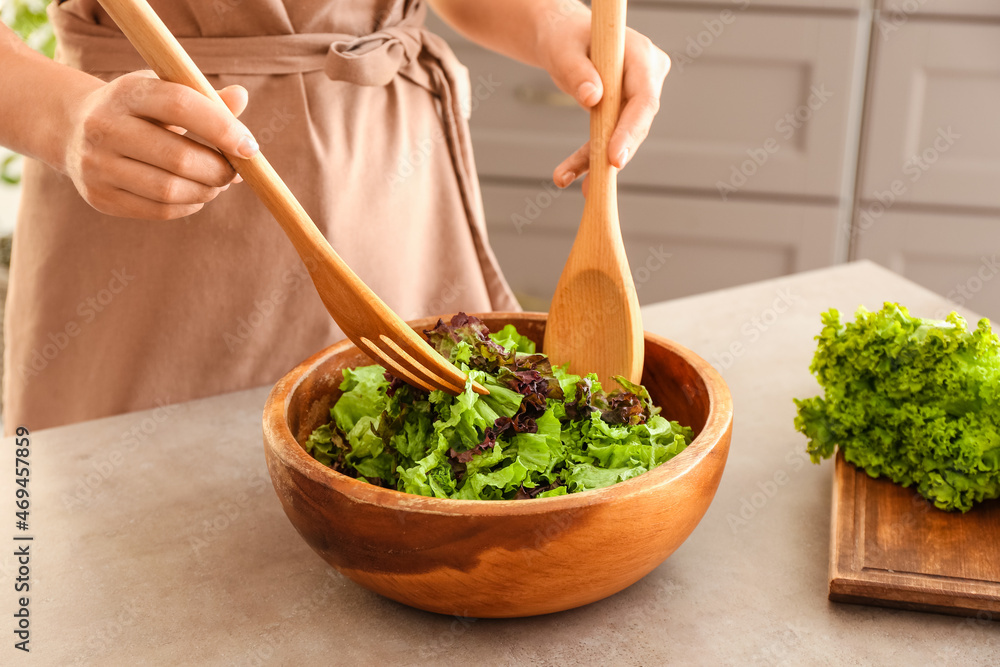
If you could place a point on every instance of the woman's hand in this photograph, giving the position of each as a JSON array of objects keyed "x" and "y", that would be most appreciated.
[
  {"x": 564, "y": 46},
  {"x": 128, "y": 156}
]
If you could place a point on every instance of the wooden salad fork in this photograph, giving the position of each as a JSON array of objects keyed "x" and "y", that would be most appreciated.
[
  {"x": 594, "y": 323},
  {"x": 359, "y": 312}
]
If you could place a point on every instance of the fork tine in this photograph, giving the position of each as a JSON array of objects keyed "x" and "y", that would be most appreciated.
[
  {"x": 407, "y": 367},
  {"x": 407, "y": 360},
  {"x": 417, "y": 349},
  {"x": 394, "y": 366}
]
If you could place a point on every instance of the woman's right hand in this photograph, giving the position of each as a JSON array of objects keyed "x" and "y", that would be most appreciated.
[{"x": 128, "y": 156}]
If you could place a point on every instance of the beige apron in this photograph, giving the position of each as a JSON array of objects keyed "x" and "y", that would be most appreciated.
[{"x": 360, "y": 110}]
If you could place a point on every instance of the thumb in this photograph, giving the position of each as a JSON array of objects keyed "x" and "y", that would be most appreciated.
[
  {"x": 575, "y": 75},
  {"x": 235, "y": 97}
]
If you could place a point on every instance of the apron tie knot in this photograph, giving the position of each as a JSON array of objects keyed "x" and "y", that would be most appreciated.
[{"x": 375, "y": 59}]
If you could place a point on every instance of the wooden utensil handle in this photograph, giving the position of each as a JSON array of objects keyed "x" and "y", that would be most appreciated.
[
  {"x": 607, "y": 51},
  {"x": 165, "y": 56}
]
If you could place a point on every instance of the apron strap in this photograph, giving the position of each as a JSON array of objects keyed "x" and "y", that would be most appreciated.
[{"x": 371, "y": 59}]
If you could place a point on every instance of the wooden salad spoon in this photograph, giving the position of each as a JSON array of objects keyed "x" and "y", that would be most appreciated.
[
  {"x": 360, "y": 313},
  {"x": 594, "y": 323}
]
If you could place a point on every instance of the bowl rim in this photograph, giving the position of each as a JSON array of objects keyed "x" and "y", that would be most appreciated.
[{"x": 279, "y": 440}]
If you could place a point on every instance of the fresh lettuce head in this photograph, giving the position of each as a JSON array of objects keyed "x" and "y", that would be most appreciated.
[
  {"x": 911, "y": 399},
  {"x": 540, "y": 432}
]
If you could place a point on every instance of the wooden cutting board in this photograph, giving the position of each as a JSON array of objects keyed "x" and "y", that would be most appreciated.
[{"x": 891, "y": 547}]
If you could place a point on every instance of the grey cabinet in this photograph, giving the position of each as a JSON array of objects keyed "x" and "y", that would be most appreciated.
[
  {"x": 929, "y": 203},
  {"x": 933, "y": 115},
  {"x": 677, "y": 245},
  {"x": 954, "y": 255}
]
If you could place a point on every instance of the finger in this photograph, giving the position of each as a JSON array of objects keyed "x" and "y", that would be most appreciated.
[
  {"x": 150, "y": 74},
  {"x": 174, "y": 104},
  {"x": 632, "y": 129},
  {"x": 572, "y": 167},
  {"x": 574, "y": 73},
  {"x": 128, "y": 205},
  {"x": 157, "y": 185},
  {"x": 236, "y": 98},
  {"x": 174, "y": 153},
  {"x": 646, "y": 67}
]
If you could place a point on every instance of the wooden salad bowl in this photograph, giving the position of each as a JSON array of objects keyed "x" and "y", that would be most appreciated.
[{"x": 499, "y": 558}]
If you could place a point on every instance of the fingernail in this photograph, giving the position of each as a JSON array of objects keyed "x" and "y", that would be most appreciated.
[
  {"x": 248, "y": 146},
  {"x": 238, "y": 179},
  {"x": 568, "y": 178},
  {"x": 623, "y": 158},
  {"x": 585, "y": 92}
]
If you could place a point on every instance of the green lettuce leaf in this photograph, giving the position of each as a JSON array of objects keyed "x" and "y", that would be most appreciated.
[
  {"x": 910, "y": 399},
  {"x": 364, "y": 396},
  {"x": 584, "y": 476},
  {"x": 512, "y": 341},
  {"x": 541, "y": 431}
]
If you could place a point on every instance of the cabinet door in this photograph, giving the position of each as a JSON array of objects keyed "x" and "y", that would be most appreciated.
[
  {"x": 760, "y": 102},
  {"x": 676, "y": 245},
  {"x": 933, "y": 130},
  {"x": 954, "y": 255},
  {"x": 904, "y": 8}
]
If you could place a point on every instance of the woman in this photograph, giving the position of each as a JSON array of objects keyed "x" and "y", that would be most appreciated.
[{"x": 140, "y": 276}]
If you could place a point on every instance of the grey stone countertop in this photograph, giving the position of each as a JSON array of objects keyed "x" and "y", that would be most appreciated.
[{"x": 158, "y": 539}]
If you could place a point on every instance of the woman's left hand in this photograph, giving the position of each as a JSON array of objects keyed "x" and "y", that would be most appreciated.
[{"x": 563, "y": 50}]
